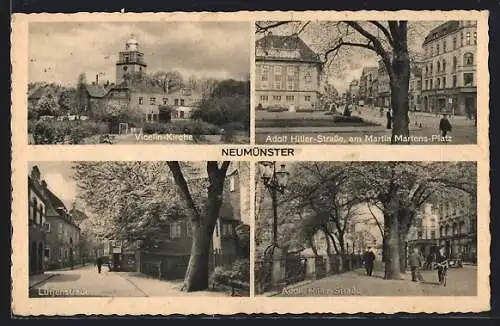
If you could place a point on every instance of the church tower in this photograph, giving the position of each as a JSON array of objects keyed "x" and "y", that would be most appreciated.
[{"x": 130, "y": 61}]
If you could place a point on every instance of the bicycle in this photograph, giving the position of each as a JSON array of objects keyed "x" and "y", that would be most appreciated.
[{"x": 442, "y": 272}]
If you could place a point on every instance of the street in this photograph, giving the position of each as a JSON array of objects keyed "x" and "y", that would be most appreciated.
[
  {"x": 87, "y": 282},
  {"x": 421, "y": 125},
  {"x": 460, "y": 282}
]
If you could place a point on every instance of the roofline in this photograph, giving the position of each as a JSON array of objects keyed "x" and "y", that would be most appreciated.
[{"x": 260, "y": 58}]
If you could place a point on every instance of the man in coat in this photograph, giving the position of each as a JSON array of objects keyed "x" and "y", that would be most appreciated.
[
  {"x": 444, "y": 125},
  {"x": 415, "y": 265},
  {"x": 369, "y": 259}
]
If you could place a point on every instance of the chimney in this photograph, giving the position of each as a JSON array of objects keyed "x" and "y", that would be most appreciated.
[
  {"x": 97, "y": 79},
  {"x": 35, "y": 174}
]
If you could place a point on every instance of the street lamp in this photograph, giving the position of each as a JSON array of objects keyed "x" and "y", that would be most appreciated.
[{"x": 275, "y": 181}]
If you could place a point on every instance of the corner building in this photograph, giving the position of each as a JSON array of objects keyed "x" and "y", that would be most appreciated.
[{"x": 449, "y": 71}]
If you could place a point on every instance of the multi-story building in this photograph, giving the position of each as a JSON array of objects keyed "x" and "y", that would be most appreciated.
[
  {"x": 449, "y": 72},
  {"x": 458, "y": 227},
  {"x": 62, "y": 233},
  {"x": 383, "y": 86},
  {"x": 367, "y": 78},
  {"x": 37, "y": 207},
  {"x": 415, "y": 87},
  {"x": 354, "y": 91},
  {"x": 424, "y": 233},
  {"x": 288, "y": 73}
]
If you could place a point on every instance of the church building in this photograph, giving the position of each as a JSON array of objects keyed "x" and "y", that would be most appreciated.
[{"x": 142, "y": 94}]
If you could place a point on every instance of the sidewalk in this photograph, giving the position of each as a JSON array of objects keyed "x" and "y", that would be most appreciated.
[{"x": 40, "y": 278}]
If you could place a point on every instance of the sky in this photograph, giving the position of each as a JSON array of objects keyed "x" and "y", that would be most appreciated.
[
  {"x": 349, "y": 63},
  {"x": 59, "y": 178},
  {"x": 60, "y": 51}
]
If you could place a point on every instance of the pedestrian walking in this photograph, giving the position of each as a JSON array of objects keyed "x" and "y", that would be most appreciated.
[
  {"x": 368, "y": 260},
  {"x": 389, "y": 119},
  {"x": 415, "y": 265},
  {"x": 444, "y": 125},
  {"x": 99, "y": 264}
]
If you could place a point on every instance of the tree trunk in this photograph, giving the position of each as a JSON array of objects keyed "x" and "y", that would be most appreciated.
[
  {"x": 196, "y": 278},
  {"x": 391, "y": 255},
  {"x": 399, "y": 81}
]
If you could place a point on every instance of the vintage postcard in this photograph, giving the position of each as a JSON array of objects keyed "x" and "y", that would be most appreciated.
[{"x": 252, "y": 169}]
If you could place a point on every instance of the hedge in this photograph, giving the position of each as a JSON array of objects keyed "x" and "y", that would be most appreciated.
[{"x": 64, "y": 132}]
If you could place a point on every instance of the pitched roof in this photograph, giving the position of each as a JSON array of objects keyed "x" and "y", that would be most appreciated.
[
  {"x": 443, "y": 29},
  {"x": 287, "y": 42},
  {"x": 96, "y": 90}
]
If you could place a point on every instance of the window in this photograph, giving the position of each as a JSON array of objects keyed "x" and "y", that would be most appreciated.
[
  {"x": 181, "y": 115},
  {"x": 232, "y": 184},
  {"x": 438, "y": 66},
  {"x": 475, "y": 38},
  {"x": 265, "y": 73},
  {"x": 290, "y": 71},
  {"x": 444, "y": 82},
  {"x": 437, "y": 50},
  {"x": 175, "y": 230},
  {"x": 277, "y": 71},
  {"x": 430, "y": 86},
  {"x": 454, "y": 43},
  {"x": 444, "y": 46},
  {"x": 467, "y": 38},
  {"x": 277, "y": 97},
  {"x": 176, "y": 101},
  {"x": 444, "y": 65},
  {"x": 426, "y": 84},
  {"x": 165, "y": 101},
  {"x": 227, "y": 229},
  {"x": 468, "y": 59},
  {"x": 461, "y": 38},
  {"x": 438, "y": 83},
  {"x": 141, "y": 100},
  {"x": 289, "y": 98},
  {"x": 431, "y": 69},
  {"x": 152, "y": 100},
  {"x": 189, "y": 229},
  {"x": 308, "y": 77},
  {"x": 426, "y": 70},
  {"x": 60, "y": 230},
  {"x": 468, "y": 79},
  {"x": 264, "y": 98},
  {"x": 307, "y": 98},
  {"x": 46, "y": 227},
  {"x": 182, "y": 101},
  {"x": 454, "y": 63}
]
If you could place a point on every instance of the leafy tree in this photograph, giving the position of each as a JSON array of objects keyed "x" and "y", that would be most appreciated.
[
  {"x": 47, "y": 105},
  {"x": 168, "y": 80},
  {"x": 68, "y": 101}
]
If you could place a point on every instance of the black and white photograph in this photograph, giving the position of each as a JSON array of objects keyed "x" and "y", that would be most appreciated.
[
  {"x": 366, "y": 229},
  {"x": 366, "y": 82},
  {"x": 163, "y": 82},
  {"x": 138, "y": 229}
]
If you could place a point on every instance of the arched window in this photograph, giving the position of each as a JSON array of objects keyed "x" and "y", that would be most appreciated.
[
  {"x": 431, "y": 68},
  {"x": 454, "y": 63},
  {"x": 468, "y": 59},
  {"x": 438, "y": 66},
  {"x": 461, "y": 38},
  {"x": 444, "y": 65},
  {"x": 454, "y": 43}
]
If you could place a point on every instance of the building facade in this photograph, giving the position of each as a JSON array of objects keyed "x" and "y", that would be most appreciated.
[
  {"x": 37, "y": 207},
  {"x": 366, "y": 91},
  {"x": 383, "y": 86},
  {"x": 132, "y": 91},
  {"x": 415, "y": 87},
  {"x": 354, "y": 91},
  {"x": 449, "y": 72},
  {"x": 288, "y": 73},
  {"x": 62, "y": 247}
]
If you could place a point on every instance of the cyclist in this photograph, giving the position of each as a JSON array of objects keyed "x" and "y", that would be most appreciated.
[{"x": 442, "y": 265}]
